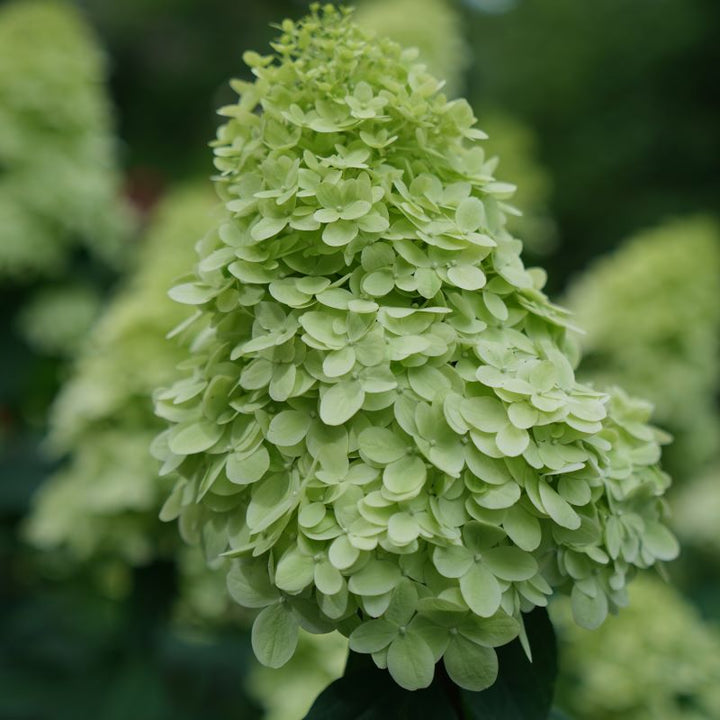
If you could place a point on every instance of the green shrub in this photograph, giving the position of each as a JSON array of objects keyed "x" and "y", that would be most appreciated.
[{"x": 378, "y": 417}]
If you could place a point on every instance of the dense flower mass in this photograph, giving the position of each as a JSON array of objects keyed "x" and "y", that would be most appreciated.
[{"x": 379, "y": 419}]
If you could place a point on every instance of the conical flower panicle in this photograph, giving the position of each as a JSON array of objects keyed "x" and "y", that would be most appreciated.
[{"x": 380, "y": 422}]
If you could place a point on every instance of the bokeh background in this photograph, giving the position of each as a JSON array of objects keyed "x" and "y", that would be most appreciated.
[{"x": 607, "y": 117}]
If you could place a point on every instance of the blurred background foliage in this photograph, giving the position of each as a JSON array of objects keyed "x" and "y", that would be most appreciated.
[{"x": 606, "y": 117}]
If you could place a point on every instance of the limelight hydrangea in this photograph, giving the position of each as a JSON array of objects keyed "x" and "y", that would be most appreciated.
[
  {"x": 379, "y": 419},
  {"x": 105, "y": 500},
  {"x": 652, "y": 318},
  {"x": 657, "y": 660},
  {"x": 57, "y": 319},
  {"x": 58, "y": 177},
  {"x": 435, "y": 29},
  {"x": 432, "y": 26}
]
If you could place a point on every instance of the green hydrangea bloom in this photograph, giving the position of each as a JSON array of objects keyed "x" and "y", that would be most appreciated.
[
  {"x": 516, "y": 144},
  {"x": 435, "y": 29},
  {"x": 652, "y": 318},
  {"x": 57, "y": 319},
  {"x": 59, "y": 185},
  {"x": 105, "y": 500},
  {"x": 696, "y": 509},
  {"x": 379, "y": 419},
  {"x": 657, "y": 660},
  {"x": 431, "y": 26},
  {"x": 318, "y": 660}
]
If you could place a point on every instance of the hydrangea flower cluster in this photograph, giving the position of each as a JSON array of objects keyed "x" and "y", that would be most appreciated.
[
  {"x": 658, "y": 660},
  {"x": 379, "y": 419},
  {"x": 434, "y": 27},
  {"x": 59, "y": 183},
  {"x": 105, "y": 499},
  {"x": 652, "y": 318}
]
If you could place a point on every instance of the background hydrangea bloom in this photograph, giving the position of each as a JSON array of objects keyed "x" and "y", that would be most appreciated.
[
  {"x": 652, "y": 318},
  {"x": 58, "y": 177},
  {"x": 657, "y": 660},
  {"x": 379, "y": 420},
  {"x": 434, "y": 27},
  {"x": 106, "y": 498}
]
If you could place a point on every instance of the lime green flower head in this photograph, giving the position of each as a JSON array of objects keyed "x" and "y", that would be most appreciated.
[
  {"x": 657, "y": 660},
  {"x": 652, "y": 318},
  {"x": 432, "y": 26},
  {"x": 105, "y": 499},
  {"x": 379, "y": 420},
  {"x": 59, "y": 181}
]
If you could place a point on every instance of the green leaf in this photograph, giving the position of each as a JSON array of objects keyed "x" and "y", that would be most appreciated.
[
  {"x": 523, "y": 689},
  {"x": 349, "y": 698},
  {"x": 411, "y": 662},
  {"x": 341, "y": 401},
  {"x": 471, "y": 666},
  {"x": 275, "y": 635},
  {"x": 288, "y": 427},
  {"x": 372, "y": 636}
]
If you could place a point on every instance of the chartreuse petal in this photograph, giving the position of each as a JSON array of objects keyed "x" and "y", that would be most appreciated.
[
  {"x": 472, "y": 667},
  {"x": 373, "y": 636},
  {"x": 249, "y": 584},
  {"x": 376, "y": 578},
  {"x": 294, "y": 571},
  {"x": 410, "y": 661},
  {"x": 275, "y": 635},
  {"x": 481, "y": 590},
  {"x": 341, "y": 401}
]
